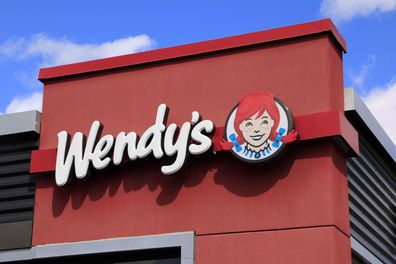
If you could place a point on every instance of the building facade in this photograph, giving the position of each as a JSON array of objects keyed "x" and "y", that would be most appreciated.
[{"x": 115, "y": 181}]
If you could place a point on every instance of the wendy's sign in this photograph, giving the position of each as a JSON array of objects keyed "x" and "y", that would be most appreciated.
[
  {"x": 192, "y": 138},
  {"x": 257, "y": 129}
]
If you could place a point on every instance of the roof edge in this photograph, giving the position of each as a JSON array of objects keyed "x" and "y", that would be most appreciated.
[
  {"x": 265, "y": 36},
  {"x": 353, "y": 102},
  {"x": 21, "y": 122}
]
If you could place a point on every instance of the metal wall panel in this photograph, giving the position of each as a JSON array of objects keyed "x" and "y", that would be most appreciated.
[
  {"x": 372, "y": 200},
  {"x": 17, "y": 188}
]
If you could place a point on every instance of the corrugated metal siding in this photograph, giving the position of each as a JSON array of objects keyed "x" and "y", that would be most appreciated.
[
  {"x": 356, "y": 259},
  {"x": 372, "y": 202},
  {"x": 17, "y": 186}
]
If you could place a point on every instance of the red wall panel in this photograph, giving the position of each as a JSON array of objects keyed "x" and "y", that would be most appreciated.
[
  {"x": 322, "y": 245},
  {"x": 215, "y": 194}
]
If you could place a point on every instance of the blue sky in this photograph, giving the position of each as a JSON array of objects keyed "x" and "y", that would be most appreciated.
[{"x": 45, "y": 33}]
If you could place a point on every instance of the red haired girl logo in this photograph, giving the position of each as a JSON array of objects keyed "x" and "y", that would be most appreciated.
[{"x": 258, "y": 128}]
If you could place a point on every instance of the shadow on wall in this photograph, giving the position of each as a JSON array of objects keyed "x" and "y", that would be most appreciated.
[{"x": 239, "y": 178}]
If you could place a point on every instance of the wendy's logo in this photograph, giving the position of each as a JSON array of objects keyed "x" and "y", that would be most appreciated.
[{"x": 258, "y": 128}]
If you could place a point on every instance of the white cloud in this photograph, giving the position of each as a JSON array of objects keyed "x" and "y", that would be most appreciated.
[
  {"x": 11, "y": 46},
  {"x": 20, "y": 104},
  {"x": 344, "y": 10},
  {"x": 63, "y": 51},
  {"x": 382, "y": 102},
  {"x": 358, "y": 79}
]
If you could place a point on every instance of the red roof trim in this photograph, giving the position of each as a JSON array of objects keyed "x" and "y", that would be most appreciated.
[{"x": 315, "y": 27}]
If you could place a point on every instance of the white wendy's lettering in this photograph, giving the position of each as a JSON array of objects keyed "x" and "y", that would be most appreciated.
[{"x": 192, "y": 138}]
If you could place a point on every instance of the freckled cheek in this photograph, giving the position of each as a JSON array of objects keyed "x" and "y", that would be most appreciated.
[
  {"x": 246, "y": 130},
  {"x": 265, "y": 128}
]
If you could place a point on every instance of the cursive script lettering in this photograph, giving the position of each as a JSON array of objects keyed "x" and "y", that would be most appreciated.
[{"x": 193, "y": 138}]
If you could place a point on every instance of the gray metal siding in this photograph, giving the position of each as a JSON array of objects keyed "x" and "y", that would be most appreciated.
[
  {"x": 17, "y": 189},
  {"x": 372, "y": 201},
  {"x": 356, "y": 259},
  {"x": 17, "y": 186}
]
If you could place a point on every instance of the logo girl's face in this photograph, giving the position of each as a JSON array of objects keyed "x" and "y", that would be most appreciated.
[
  {"x": 257, "y": 129},
  {"x": 255, "y": 125}
]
